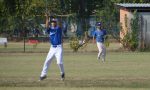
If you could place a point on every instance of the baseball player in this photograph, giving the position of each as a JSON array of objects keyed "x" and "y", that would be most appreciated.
[
  {"x": 55, "y": 36},
  {"x": 100, "y": 35}
]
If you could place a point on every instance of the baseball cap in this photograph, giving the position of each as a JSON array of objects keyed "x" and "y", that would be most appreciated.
[
  {"x": 98, "y": 24},
  {"x": 54, "y": 20}
]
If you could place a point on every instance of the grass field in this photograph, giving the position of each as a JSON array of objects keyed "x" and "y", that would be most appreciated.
[
  {"x": 121, "y": 71},
  {"x": 44, "y": 47}
]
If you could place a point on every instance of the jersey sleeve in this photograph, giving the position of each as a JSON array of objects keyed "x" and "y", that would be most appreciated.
[
  {"x": 94, "y": 34},
  {"x": 60, "y": 30},
  {"x": 105, "y": 32}
]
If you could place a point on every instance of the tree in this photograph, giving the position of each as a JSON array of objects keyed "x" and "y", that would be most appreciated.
[
  {"x": 15, "y": 10},
  {"x": 83, "y": 9},
  {"x": 131, "y": 39},
  {"x": 108, "y": 15}
]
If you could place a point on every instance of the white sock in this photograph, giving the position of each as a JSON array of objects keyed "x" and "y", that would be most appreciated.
[{"x": 61, "y": 67}]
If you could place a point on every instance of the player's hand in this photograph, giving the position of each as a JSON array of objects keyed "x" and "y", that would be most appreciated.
[{"x": 46, "y": 14}]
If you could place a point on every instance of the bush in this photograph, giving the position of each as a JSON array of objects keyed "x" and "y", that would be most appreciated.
[
  {"x": 130, "y": 40},
  {"x": 74, "y": 43}
]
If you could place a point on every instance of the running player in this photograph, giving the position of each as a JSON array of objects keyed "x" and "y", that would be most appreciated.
[{"x": 100, "y": 35}]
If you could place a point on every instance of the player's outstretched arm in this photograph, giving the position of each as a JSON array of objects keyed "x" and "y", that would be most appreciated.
[{"x": 47, "y": 21}]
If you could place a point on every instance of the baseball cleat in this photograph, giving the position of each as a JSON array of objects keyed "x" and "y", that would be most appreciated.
[
  {"x": 63, "y": 77},
  {"x": 42, "y": 78}
]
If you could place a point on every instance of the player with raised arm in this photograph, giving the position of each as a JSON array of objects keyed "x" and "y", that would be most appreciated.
[{"x": 56, "y": 49}]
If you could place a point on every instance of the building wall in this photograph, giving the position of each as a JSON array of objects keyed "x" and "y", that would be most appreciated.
[
  {"x": 125, "y": 23},
  {"x": 145, "y": 29},
  {"x": 144, "y": 35}
]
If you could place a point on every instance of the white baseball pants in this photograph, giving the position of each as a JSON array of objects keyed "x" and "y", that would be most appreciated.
[
  {"x": 57, "y": 52},
  {"x": 102, "y": 51}
]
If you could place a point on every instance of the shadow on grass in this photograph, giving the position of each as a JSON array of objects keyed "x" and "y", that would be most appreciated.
[{"x": 126, "y": 83}]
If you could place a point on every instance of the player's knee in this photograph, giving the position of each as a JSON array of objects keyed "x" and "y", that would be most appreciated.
[
  {"x": 59, "y": 62},
  {"x": 100, "y": 51}
]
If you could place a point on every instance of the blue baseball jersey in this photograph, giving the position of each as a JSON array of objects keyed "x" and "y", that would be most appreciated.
[
  {"x": 99, "y": 34},
  {"x": 55, "y": 35}
]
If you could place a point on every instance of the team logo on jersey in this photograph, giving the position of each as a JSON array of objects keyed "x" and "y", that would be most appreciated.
[{"x": 52, "y": 33}]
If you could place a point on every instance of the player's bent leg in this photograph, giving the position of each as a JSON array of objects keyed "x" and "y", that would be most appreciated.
[
  {"x": 46, "y": 64},
  {"x": 103, "y": 53},
  {"x": 61, "y": 67},
  {"x": 99, "y": 46},
  {"x": 99, "y": 50},
  {"x": 99, "y": 55},
  {"x": 45, "y": 67},
  {"x": 59, "y": 58}
]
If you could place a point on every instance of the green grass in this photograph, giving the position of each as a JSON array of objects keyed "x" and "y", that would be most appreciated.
[
  {"x": 121, "y": 71},
  {"x": 44, "y": 47}
]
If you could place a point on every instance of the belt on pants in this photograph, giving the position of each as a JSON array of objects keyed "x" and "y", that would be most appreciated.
[{"x": 56, "y": 45}]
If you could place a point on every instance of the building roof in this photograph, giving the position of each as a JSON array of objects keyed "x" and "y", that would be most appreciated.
[
  {"x": 134, "y": 5},
  {"x": 140, "y": 7}
]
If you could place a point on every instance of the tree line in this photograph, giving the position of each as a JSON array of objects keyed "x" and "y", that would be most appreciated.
[{"x": 21, "y": 14}]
